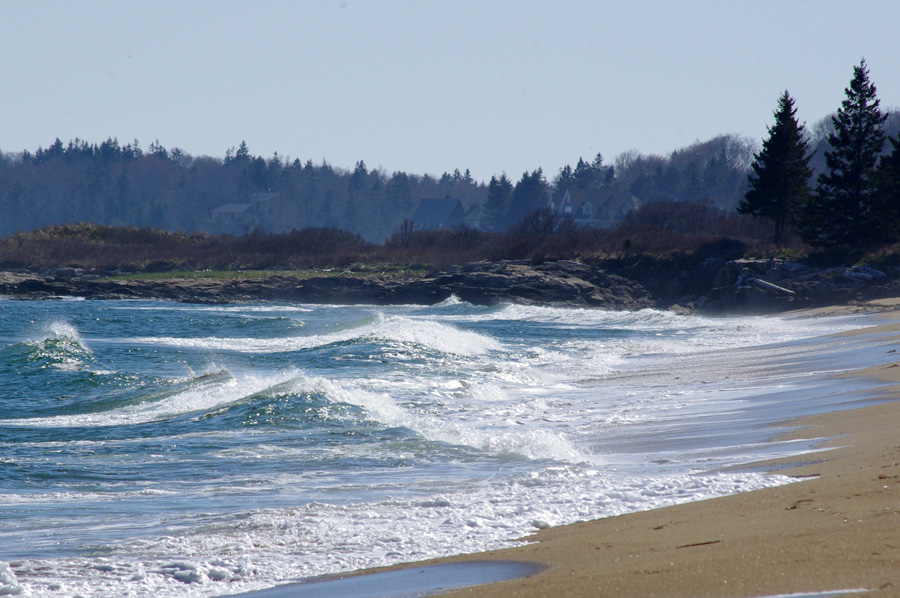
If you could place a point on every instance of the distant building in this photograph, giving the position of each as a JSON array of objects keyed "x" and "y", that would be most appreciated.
[
  {"x": 275, "y": 212},
  {"x": 436, "y": 214},
  {"x": 475, "y": 216},
  {"x": 271, "y": 211},
  {"x": 233, "y": 218},
  {"x": 600, "y": 208}
]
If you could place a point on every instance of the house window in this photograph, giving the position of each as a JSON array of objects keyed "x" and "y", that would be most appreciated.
[{"x": 586, "y": 209}]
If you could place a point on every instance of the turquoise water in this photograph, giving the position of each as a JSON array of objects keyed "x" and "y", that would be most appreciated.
[{"x": 176, "y": 449}]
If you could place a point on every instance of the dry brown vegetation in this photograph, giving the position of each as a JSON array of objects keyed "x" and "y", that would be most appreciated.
[{"x": 657, "y": 229}]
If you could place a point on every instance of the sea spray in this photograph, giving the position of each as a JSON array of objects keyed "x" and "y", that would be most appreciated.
[
  {"x": 9, "y": 585},
  {"x": 223, "y": 448}
]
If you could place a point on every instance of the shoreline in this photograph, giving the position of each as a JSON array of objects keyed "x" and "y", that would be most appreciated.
[
  {"x": 834, "y": 531},
  {"x": 836, "y": 528},
  {"x": 714, "y": 287}
]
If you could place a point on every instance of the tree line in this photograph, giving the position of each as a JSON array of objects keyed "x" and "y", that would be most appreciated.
[
  {"x": 855, "y": 201},
  {"x": 122, "y": 185},
  {"x": 126, "y": 185}
]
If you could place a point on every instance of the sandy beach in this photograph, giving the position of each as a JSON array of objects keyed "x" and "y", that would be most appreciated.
[
  {"x": 834, "y": 531},
  {"x": 837, "y": 528}
]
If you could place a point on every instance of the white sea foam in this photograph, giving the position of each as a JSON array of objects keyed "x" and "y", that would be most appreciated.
[
  {"x": 63, "y": 329},
  {"x": 9, "y": 584},
  {"x": 230, "y": 309},
  {"x": 511, "y": 432},
  {"x": 698, "y": 331},
  {"x": 433, "y": 335},
  {"x": 258, "y": 548},
  {"x": 494, "y": 434},
  {"x": 200, "y": 395},
  {"x": 450, "y": 301},
  {"x": 61, "y": 346}
]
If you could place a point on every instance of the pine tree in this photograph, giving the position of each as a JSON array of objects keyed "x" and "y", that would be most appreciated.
[
  {"x": 496, "y": 208},
  {"x": 529, "y": 194},
  {"x": 887, "y": 206},
  {"x": 842, "y": 212},
  {"x": 563, "y": 179},
  {"x": 584, "y": 175},
  {"x": 781, "y": 172}
]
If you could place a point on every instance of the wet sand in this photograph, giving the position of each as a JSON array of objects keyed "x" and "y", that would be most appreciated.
[
  {"x": 837, "y": 528},
  {"x": 428, "y": 580}
]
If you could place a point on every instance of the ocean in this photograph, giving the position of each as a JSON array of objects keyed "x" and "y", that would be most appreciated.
[{"x": 168, "y": 449}]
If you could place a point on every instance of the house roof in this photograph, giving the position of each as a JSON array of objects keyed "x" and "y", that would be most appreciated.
[
  {"x": 602, "y": 207},
  {"x": 578, "y": 197},
  {"x": 264, "y": 196}
]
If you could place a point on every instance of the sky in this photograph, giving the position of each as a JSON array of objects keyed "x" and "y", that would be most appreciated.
[{"x": 426, "y": 87}]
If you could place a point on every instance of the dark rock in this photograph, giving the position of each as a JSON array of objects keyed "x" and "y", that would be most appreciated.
[
  {"x": 710, "y": 285},
  {"x": 67, "y": 273}
]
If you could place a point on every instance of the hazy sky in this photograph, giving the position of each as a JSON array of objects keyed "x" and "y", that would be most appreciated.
[{"x": 429, "y": 86}]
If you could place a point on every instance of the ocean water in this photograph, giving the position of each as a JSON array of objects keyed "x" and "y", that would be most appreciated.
[{"x": 155, "y": 448}]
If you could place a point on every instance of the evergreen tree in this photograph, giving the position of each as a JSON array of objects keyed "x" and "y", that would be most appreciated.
[
  {"x": 399, "y": 193},
  {"x": 156, "y": 149},
  {"x": 842, "y": 210},
  {"x": 110, "y": 150},
  {"x": 563, "y": 179},
  {"x": 887, "y": 206},
  {"x": 781, "y": 172},
  {"x": 584, "y": 175},
  {"x": 496, "y": 208},
  {"x": 360, "y": 174},
  {"x": 243, "y": 152},
  {"x": 529, "y": 194},
  {"x": 604, "y": 175}
]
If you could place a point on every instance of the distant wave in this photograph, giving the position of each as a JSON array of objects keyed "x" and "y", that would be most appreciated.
[{"x": 436, "y": 336}]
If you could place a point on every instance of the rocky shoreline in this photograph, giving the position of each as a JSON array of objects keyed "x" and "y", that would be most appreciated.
[{"x": 713, "y": 286}]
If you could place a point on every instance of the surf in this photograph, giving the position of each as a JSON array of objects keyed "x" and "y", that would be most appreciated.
[{"x": 176, "y": 450}]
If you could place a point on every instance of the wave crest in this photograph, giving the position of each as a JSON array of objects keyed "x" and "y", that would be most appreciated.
[
  {"x": 60, "y": 346},
  {"x": 434, "y": 336}
]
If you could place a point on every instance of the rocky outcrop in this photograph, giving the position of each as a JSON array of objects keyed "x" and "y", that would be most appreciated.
[
  {"x": 553, "y": 283},
  {"x": 711, "y": 286},
  {"x": 484, "y": 283},
  {"x": 765, "y": 286}
]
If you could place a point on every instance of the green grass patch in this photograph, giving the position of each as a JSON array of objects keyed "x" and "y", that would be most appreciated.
[{"x": 365, "y": 271}]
